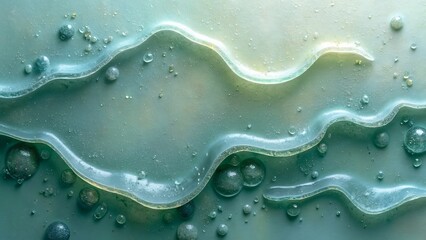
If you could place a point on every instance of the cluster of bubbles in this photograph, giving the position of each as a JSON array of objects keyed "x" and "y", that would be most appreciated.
[{"x": 229, "y": 180}]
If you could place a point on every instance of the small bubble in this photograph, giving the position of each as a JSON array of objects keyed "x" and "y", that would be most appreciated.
[
  {"x": 249, "y": 126},
  {"x": 230, "y": 216},
  {"x": 141, "y": 175},
  {"x": 253, "y": 172},
  {"x": 108, "y": 39},
  {"x": 45, "y": 154},
  {"x": 70, "y": 194},
  {"x": 120, "y": 219},
  {"x": 292, "y": 130},
  {"x": 171, "y": 68},
  {"x": 274, "y": 179},
  {"x": 293, "y": 210},
  {"x": 409, "y": 82},
  {"x": 228, "y": 180},
  {"x": 322, "y": 149},
  {"x": 57, "y": 231},
  {"x": 247, "y": 209},
  {"x": 100, "y": 211},
  {"x": 415, "y": 140},
  {"x": 42, "y": 63},
  {"x": 338, "y": 214},
  {"x": 66, "y": 32},
  {"x": 299, "y": 109},
  {"x": 28, "y": 68},
  {"x": 212, "y": 214},
  {"x": 381, "y": 139},
  {"x": 112, "y": 74},
  {"x": 380, "y": 175},
  {"x": 413, "y": 46},
  {"x": 417, "y": 162},
  {"x": 88, "y": 197},
  {"x": 22, "y": 162},
  {"x": 68, "y": 177},
  {"x": 148, "y": 57},
  {"x": 222, "y": 230},
  {"x": 365, "y": 99},
  {"x": 187, "y": 231},
  {"x": 396, "y": 23},
  {"x": 314, "y": 175}
]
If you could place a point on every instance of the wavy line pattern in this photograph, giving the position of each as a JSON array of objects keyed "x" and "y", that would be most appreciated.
[
  {"x": 370, "y": 200},
  {"x": 63, "y": 71}
]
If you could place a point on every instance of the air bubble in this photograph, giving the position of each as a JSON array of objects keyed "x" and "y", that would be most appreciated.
[
  {"x": 187, "y": 231},
  {"x": 417, "y": 162},
  {"x": 148, "y": 57},
  {"x": 88, "y": 197},
  {"x": 253, "y": 172},
  {"x": 66, "y": 32},
  {"x": 322, "y": 149},
  {"x": 314, "y": 175},
  {"x": 365, "y": 99},
  {"x": 380, "y": 175},
  {"x": 381, "y": 139},
  {"x": 396, "y": 23},
  {"x": 222, "y": 230},
  {"x": 68, "y": 177},
  {"x": 28, "y": 68},
  {"x": 120, "y": 219},
  {"x": 413, "y": 46},
  {"x": 292, "y": 130},
  {"x": 228, "y": 180},
  {"x": 212, "y": 214},
  {"x": 57, "y": 231},
  {"x": 293, "y": 210},
  {"x": 100, "y": 211},
  {"x": 112, "y": 74},
  {"x": 247, "y": 209},
  {"x": 415, "y": 140},
  {"x": 42, "y": 63},
  {"x": 22, "y": 162}
]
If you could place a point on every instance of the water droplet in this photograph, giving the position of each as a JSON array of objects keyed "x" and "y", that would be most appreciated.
[
  {"x": 292, "y": 130},
  {"x": 120, "y": 219},
  {"x": 413, "y": 46},
  {"x": 365, "y": 99},
  {"x": 293, "y": 210},
  {"x": 220, "y": 208},
  {"x": 22, "y": 161},
  {"x": 68, "y": 177},
  {"x": 249, "y": 126},
  {"x": 112, "y": 74},
  {"x": 274, "y": 179},
  {"x": 70, "y": 194},
  {"x": 187, "y": 231},
  {"x": 380, "y": 175},
  {"x": 396, "y": 23},
  {"x": 381, "y": 139},
  {"x": 415, "y": 140},
  {"x": 222, "y": 230},
  {"x": 100, "y": 211},
  {"x": 228, "y": 180},
  {"x": 148, "y": 57},
  {"x": 409, "y": 82},
  {"x": 187, "y": 210},
  {"x": 57, "y": 231},
  {"x": 88, "y": 197},
  {"x": 42, "y": 63},
  {"x": 212, "y": 214},
  {"x": 253, "y": 172},
  {"x": 322, "y": 149},
  {"x": 66, "y": 32},
  {"x": 171, "y": 68},
  {"x": 417, "y": 162},
  {"x": 247, "y": 209},
  {"x": 45, "y": 154},
  {"x": 314, "y": 175},
  {"x": 338, "y": 214},
  {"x": 141, "y": 175},
  {"x": 28, "y": 68},
  {"x": 299, "y": 109}
]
